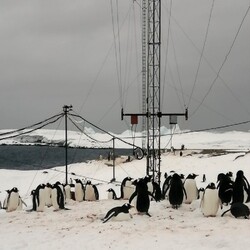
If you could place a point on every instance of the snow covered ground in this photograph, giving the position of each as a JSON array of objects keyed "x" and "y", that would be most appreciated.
[{"x": 81, "y": 226}]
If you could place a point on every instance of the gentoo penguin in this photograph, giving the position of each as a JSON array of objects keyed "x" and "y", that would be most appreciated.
[
  {"x": 118, "y": 213},
  {"x": 165, "y": 185},
  {"x": 127, "y": 189},
  {"x": 40, "y": 196},
  {"x": 176, "y": 191},
  {"x": 238, "y": 209},
  {"x": 111, "y": 194},
  {"x": 241, "y": 189},
  {"x": 67, "y": 190},
  {"x": 91, "y": 192},
  {"x": 142, "y": 196},
  {"x": 79, "y": 190},
  {"x": 13, "y": 200},
  {"x": 225, "y": 188},
  {"x": 47, "y": 190},
  {"x": 57, "y": 197},
  {"x": 34, "y": 200},
  {"x": 210, "y": 201},
  {"x": 191, "y": 188},
  {"x": 153, "y": 188}
]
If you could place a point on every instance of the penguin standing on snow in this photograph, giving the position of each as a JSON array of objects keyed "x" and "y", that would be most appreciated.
[
  {"x": 111, "y": 194},
  {"x": 57, "y": 197},
  {"x": 12, "y": 200},
  {"x": 79, "y": 190},
  {"x": 238, "y": 209},
  {"x": 141, "y": 194},
  {"x": 210, "y": 201},
  {"x": 91, "y": 192},
  {"x": 191, "y": 188},
  {"x": 225, "y": 188},
  {"x": 176, "y": 191},
  {"x": 118, "y": 213},
  {"x": 127, "y": 189},
  {"x": 241, "y": 189},
  {"x": 47, "y": 190},
  {"x": 153, "y": 188},
  {"x": 166, "y": 185},
  {"x": 41, "y": 197}
]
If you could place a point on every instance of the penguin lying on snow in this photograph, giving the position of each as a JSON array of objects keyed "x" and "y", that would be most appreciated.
[
  {"x": 118, "y": 213},
  {"x": 238, "y": 209}
]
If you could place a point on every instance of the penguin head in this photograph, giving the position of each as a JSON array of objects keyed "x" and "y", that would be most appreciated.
[
  {"x": 88, "y": 182},
  {"x": 229, "y": 174},
  {"x": 128, "y": 206},
  {"x": 240, "y": 174},
  {"x": 14, "y": 189},
  {"x": 110, "y": 190},
  {"x": 211, "y": 186}
]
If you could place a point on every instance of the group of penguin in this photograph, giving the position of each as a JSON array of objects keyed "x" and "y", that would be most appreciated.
[
  {"x": 179, "y": 190},
  {"x": 140, "y": 192},
  {"x": 47, "y": 195}
]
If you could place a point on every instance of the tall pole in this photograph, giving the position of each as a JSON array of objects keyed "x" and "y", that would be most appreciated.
[{"x": 66, "y": 109}]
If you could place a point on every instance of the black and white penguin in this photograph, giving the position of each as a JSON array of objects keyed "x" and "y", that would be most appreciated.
[
  {"x": 165, "y": 185},
  {"x": 241, "y": 188},
  {"x": 57, "y": 197},
  {"x": 191, "y": 188},
  {"x": 41, "y": 197},
  {"x": 230, "y": 175},
  {"x": 238, "y": 209},
  {"x": 210, "y": 201},
  {"x": 176, "y": 191},
  {"x": 91, "y": 192},
  {"x": 225, "y": 188},
  {"x": 127, "y": 189},
  {"x": 111, "y": 194},
  {"x": 118, "y": 213},
  {"x": 47, "y": 190},
  {"x": 153, "y": 188},
  {"x": 141, "y": 195},
  {"x": 67, "y": 190},
  {"x": 204, "y": 178},
  {"x": 79, "y": 190},
  {"x": 34, "y": 200},
  {"x": 12, "y": 200}
]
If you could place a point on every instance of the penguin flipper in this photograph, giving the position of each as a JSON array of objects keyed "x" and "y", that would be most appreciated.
[
  {"x": 132, "y": 197},
  {"x": 107, "y": 218},
  {"x": 225, "y": 212}
]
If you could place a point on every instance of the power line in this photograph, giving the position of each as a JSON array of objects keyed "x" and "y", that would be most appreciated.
[{"x": 223, "y": 63}]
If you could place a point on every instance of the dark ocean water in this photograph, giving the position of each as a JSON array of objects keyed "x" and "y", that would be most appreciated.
[{"x": 42, "y": 157}]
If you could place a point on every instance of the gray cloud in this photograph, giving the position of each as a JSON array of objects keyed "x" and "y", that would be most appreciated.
[{"x": 62, "y": 52}]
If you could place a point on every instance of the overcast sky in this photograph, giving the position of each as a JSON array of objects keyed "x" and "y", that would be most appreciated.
[{"x": 57, "y": 52}]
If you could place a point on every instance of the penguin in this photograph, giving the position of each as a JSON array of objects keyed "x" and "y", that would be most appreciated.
[
  {"x": 111, "y": 194},
  {"x": 34, "y": 200},
  {"x": 41, "y": 197},
  {"x": 204, "y": 178},
  {"x": 191, "y": 188},
  {"x": 142, "y": 194},
  {"x": 57, "y": 197},
  {"x": 210, "y": 201},
  {"x": 13, "y": 200},
  {"x": 238, "y": 209},
  {"x": 241, "y": 189},
  {"x": 200, "y": 192},
  {"x": 127, "y": 189},
  {"x": 67, "y": 190},
  {"x": 79, "y": 190},
  {"x": 153, "y": 188},
  {"x": 176, "y": 191},
  {"x": 230, "y": 175},
  {"x": 118, "y": 213},
  {"x": 59, "y": 184},
  {"x": 47, "y": 190},
  {"x": 165, "y": 185},
  {"x": 225, "y": 188},
  {"x": 91, "y": 192}
]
